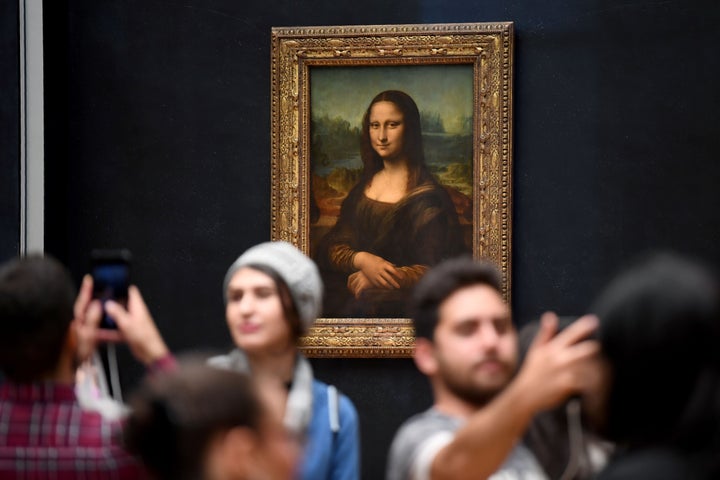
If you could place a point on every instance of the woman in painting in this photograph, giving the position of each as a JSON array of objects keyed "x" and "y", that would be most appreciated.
[{"x": 395, "y": 223}]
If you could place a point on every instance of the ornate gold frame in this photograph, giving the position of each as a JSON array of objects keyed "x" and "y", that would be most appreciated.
[{"x": 486, "y": 46}]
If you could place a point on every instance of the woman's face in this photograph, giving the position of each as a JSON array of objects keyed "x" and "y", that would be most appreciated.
[
  {"x": 255, "y": 315},
  {"x": 387, "y": 130}
]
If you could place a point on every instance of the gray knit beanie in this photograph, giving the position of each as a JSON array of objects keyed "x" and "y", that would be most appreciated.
[{"x": 297, "y": 270}]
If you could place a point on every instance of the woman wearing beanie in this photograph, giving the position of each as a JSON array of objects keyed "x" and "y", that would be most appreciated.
[{"x": 273, "y": 294}]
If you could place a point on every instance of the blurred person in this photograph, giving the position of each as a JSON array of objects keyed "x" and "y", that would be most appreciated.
[
  {"x": 659, "y": 334},
  {"x": 273, "y": 294},
  {"x": 560, "y": 438},
  {"x": 467, "y": 346},
  {"x": 204, "y": 423},
  {"x": 395, "y": 223},
  {"x": 45, "y": 333}
]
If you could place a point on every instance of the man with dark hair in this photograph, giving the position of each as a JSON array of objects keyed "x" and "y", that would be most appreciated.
[
  {"x": 467, "y": 346},
  {"x": 36, "y": 303},
  {"x": 44, "y": 335}
]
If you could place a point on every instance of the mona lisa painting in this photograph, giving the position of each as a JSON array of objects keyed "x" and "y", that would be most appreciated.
[{"x": 391, "y": 151}]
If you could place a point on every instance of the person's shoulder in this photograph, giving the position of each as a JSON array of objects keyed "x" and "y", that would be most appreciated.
[
  {"x": 319, "y": 387},
  {"x": 418, "y": 440},
  {"x": 426, "y": 423},
  {"x": 93, "y": 429},
  {"x": 333, "y": 406},
  {"x": 234, "y": 360},
  {"x": 321, "y": 392}
]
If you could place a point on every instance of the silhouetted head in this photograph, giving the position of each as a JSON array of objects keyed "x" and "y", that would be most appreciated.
[
  {"x": 660, "y": 331},
  {"x": 36, "y": 307},
  {"x": 199, "y": 420}
]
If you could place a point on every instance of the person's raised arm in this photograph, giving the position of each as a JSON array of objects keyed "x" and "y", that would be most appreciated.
[
  {"x": 137, "y": 328},
  {"x": 553, "y": 370},
  {"x": 86, "y": 318}
]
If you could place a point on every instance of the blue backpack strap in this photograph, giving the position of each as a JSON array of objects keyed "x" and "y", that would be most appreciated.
[{"x": 333, "y": 408}]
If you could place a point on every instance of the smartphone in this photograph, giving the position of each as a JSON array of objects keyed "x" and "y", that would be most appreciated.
[{"x": 110, "y": 270}]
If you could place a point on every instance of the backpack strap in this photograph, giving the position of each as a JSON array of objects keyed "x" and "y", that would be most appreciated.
[{"x": 333, "y": 408}]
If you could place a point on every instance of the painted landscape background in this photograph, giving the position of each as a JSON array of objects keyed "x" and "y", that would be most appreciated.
[{"x": 339, "y": 97}]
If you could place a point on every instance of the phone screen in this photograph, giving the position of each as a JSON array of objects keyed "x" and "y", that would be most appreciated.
[{"x": 111, "y": 278}]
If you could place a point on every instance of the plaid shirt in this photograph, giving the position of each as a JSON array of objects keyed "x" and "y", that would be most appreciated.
[{"x": 45, "y": 434}]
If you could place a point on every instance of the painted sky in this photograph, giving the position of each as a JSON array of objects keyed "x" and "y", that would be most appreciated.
[{"x": 347, "y": 91}]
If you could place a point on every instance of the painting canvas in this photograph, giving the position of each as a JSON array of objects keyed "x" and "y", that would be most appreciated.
[
  {"x": 391, "y": 152},
  {"x": 339, "y": 98}
]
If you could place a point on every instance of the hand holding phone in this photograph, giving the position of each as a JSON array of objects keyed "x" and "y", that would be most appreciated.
[
  {"x": 137, "y": 328},
  {"x": 110, "y": 270}
]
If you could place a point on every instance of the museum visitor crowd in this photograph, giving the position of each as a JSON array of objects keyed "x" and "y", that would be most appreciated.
[{"x": 631, "y": 390}]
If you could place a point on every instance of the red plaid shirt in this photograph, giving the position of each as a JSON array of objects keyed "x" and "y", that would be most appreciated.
[{"x": 44, "y": 434}]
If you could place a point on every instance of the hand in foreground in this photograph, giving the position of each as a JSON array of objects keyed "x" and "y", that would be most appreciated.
[
  {"x": 86, "y": 318},
  {"x": 137, "y": 328},
  {"x": 557, "y": 364}
]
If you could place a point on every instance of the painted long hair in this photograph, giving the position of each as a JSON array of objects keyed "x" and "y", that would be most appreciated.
[{"x": 412, "y": 141}]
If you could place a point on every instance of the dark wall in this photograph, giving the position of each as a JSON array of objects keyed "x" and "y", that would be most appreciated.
[
  {"x": 158, "y": 140},
  {"x": 9, "y": 131}
]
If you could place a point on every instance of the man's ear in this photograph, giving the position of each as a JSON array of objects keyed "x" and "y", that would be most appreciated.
[{"x": 424, "y": 356}]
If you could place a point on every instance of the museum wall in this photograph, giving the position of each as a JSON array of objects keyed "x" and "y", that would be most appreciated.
[
  {"x": 9, "y": 131},
  {"x": 158, "y": 139}
]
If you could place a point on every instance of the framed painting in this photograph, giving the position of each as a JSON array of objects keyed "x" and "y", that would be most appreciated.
[{"x": 391, "y": 151}]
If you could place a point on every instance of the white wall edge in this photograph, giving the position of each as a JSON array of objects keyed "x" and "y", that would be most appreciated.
[{"x": 32, "y": 128}]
